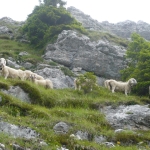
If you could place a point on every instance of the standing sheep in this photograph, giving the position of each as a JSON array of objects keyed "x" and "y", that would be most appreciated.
[
  {"x": 3, "y": 61},
  {"x": 45, "y": 82},
  {"x": 28, "y": 73},
  {"x": 106, "y": 83},
  {"x": 11, "y": 72},
  {"x": 122, "y": 86}
]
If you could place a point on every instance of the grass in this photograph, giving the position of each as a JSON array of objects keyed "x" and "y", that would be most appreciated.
[
  {"x": 10, "y": 48},
  {"x": 77, "y": 109},
  {"x": 95, "y": 36}
]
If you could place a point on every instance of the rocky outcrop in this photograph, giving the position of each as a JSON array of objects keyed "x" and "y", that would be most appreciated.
[
  {"x": 9, "y": 29},
  {"x": 59, "y": 79},
  {"x": 17, "y": 92},
  {"x": 74, "y": 50},
  {"x": 134, "y": 117},
  {"x": 126, "y": 28},
  {"x": 121, "y": 29},
  {"x": 88, "y": 22},
  {"x": 17, "y": 131}
]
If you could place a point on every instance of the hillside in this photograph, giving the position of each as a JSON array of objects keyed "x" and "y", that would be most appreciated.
[{"x": 35, "y": 118}]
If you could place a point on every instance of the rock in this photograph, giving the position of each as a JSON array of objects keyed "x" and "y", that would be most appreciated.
[
  {"x": 17, "y": 92},
  {"x": 2, "y": 146},
  {"x": 27, "y": 65},
  {"x": 86, "y": 20},
  {"x": 13, "y": 64},
  {"x": 17, "y": 131},
  {"x": 23, "y": 53},
  {"x": 131, "y": 117},
  {"x": 109, "y": 144},
  {"x": 77, "y": 51},
  {"x": 17, "y": 147},
  {"x": 122, "y": 29},
  {"x": 83, "y": 135},
  {"x": 100, "y": 139},
  {"x": 61, "y": 128},
  {"x": 57, "y": 77},
  {"x": 9, "y": 27}
]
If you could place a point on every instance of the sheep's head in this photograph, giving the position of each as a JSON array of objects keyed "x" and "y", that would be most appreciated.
[
  {"x": 32, "y": 77},
  {"x": 2, "y": 66},
  {"x": 132, "y": 82}
]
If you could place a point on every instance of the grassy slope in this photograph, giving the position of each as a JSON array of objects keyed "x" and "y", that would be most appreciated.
[{"x": 52, "y": 106}]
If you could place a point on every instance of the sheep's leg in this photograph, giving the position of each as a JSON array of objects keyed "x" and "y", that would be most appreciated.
[
  {"x": 113, "y": 89},
  {"x": 126, "y": 93},
  {"x": 6, "y": 75}
]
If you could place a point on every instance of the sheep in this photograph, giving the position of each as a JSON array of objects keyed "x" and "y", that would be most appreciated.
[
  {"x": 45, "y": 82},
  {"x": 28, "y": 73},
  {"x": 2, "y": 61},
  {"x": 11, "y": 72},
  {"x": 122, "y": 86},
  {"x": 106, "y": 83}
]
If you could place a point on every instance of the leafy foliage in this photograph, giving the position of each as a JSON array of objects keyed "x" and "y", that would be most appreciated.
[
  {"x": 46, "y": 22},
  {"x": 87, "y": 82},
  {"x": 138, "y": 56}
]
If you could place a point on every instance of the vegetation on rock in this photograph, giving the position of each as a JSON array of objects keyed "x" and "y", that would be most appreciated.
[{"x": 138, "y": 56}]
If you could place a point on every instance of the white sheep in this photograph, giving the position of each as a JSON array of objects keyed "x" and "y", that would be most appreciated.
[
  {"x": 45, "y": 82},
  {"x": 28, "y": 73},
  {"x": 122, "y": 86},
  {"x": 3, "y": 61},
  {"x": 11, "y": 72},
  {"x": 106, "y": 83}
]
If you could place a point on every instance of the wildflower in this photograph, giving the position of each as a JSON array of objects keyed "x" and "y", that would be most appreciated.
[{"x": 118, "y": 142}]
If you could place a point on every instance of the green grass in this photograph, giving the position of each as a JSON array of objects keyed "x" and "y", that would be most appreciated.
[
  {"x": 10, "y": 48},
  {"x": 77, "y": 109},
  {"x": 95, "y": 36}
]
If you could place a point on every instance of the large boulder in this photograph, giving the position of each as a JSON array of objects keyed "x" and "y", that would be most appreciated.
[
  {"x": 131, "y": 117},
  {"x": 59, "y": 79},
  {"x": 75, "y": 50}
]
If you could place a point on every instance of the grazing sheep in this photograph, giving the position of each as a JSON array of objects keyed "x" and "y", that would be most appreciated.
[
  {"x": 45, "y": 82},
  {"x": 38, "y": 77},
  {"x": 11, "y": 72},
  {"x": 2, "y": 61},
  {"x": 122, "y": 86},
  {"x": 28, "y": 73}
]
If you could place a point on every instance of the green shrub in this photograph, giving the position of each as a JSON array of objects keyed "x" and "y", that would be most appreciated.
[
  {"x": 66, "y": 71},
  {"x": 87, "y": 82},
  {"x": 142, "y": 88}
]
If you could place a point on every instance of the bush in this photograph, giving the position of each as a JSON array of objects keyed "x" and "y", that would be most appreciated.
[
  {"x": 87, "y": 82},
  {"x": 142, "y": 88}
]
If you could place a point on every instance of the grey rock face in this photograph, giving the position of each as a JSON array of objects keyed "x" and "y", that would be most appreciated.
[
  {"x": 86, "y": 20},
  {"x": 17, "y": 92},
  {"x": 57, "y": 77},
  {"x": 10, "y": 29},
  {"x": 128, "y": 117},
  {"x": 17, "y": 131},
  {"x": 121, "y": 29},
  {"x": 126, "y": 28},
  {"x": 74, "y": 50}
]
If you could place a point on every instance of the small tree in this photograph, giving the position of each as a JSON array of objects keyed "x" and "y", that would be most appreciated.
[
  {"x": 138, "y": 56},
  {"x": 87, "y": 82}
]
